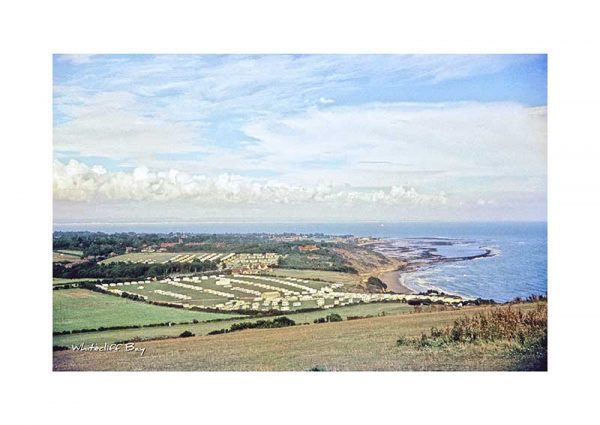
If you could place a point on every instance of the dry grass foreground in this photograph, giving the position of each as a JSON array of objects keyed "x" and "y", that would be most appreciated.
[{"x": 366, "y": 344}]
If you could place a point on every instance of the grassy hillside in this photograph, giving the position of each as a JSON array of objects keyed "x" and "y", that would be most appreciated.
[
  {"x": 366, "y": 344},
  {"x": 83, "y": 309}
]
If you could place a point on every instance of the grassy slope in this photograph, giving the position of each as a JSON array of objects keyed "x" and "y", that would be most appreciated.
[
  {"x": 62, "y": 257},
  {"x": 84, "y": 309},
  {"x": 60, "y": 280},
  {"x": 368, "y": 344},
  {"x": 111, "y": 336},
  {"x": 74, "y": 252},
  {"x": 316, "y": 274}
]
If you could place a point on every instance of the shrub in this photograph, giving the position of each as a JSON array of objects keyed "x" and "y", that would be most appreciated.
[
  {"x": 334, "y": 317},
  {"x": 403, "y": 341},
  {"x": 376, "y": 284},
  {"x": 186, "y": 334},
  {"x": 318, "y": 369},
  {"x": 526, "y": 331},
  {"x": 498, "y": 324},
  {"x": 279, "y": 322},
  {"x": 424, "y": 301}
]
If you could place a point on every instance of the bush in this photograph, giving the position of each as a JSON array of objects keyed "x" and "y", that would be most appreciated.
[
  {"x": 318, "y": 369},
  {"x": 186, "y": 334},
  {"x": 368, "y": 316},
  {"x": 527, "y": 330},
  {"x": 424, "y": 301},
  {"x": 403, "y": 341},
  {"x": 279, "y": 322},
  {"x": 333, "y": 317},
  {"x": 376, "y": 284}
]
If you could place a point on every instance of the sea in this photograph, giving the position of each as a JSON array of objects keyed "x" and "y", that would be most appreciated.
[{"x": 516, "y": 267}]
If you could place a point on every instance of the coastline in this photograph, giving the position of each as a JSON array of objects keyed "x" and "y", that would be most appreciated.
[{"x": 391, "y": 279}]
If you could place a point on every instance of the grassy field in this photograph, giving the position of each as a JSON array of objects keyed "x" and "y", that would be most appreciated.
[
  {"x": 366, "y": 344},
  {"x": 64, "y": 257},
  {"x": 60, "y": 281},
  {"x": 70, "y": 252},
  {"x": 111, "y": 336},
  {"x": 75, "y": 309},
  {"x": 316, "y": 274}
]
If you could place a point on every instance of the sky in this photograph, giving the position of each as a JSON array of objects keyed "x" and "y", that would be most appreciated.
[{"x": 307, "y": 138}]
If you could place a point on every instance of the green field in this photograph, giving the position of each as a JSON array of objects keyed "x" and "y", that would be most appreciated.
[
  {"x": 109, "y": 336},
  {"x": 83, "y": 309},
  {"x": 70, "y": 252},
  {"x": 65, "y": 258},
  {"x": 316, "y": 274},
  {"x": 62, "y": 281}
]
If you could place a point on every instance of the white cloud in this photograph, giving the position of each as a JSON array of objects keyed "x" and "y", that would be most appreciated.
[
  {"x": 78, "y": 182},
  {"x": 76, "y": 59},
  {"x": 114, "y": 125},
  {"x": 378, "y": 143},
  {"x": 325, "y": 101},
  {"x": 259, "y": 84}
]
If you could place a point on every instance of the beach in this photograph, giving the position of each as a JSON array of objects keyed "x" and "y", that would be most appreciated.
[{"x": 392, "y": 280}]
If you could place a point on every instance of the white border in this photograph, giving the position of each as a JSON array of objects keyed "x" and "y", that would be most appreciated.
[{"x": 32, "y": 31}]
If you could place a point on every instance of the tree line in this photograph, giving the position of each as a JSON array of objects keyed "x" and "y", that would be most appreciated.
[{"x": 93, "y": 270}]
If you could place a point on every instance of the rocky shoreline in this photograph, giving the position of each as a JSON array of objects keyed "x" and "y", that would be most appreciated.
[{"x": 428, "y": 258}]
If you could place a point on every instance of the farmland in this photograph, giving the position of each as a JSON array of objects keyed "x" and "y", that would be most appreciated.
[
  {"x": 75, "y": 309},
  {"x": 316, "y": 274},
  {"x": 74, "y": 252},
  {"x": 203, "y": 328},
  {"x": 61, "y": 281},
  {"x": 366, "y": 344},
  {"x": 65, "y": 256}
]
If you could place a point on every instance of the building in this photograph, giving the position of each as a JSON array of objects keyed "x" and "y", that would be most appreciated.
[
  {"x": 308, "y": 248},
  {"x": 270, "y": 295}
]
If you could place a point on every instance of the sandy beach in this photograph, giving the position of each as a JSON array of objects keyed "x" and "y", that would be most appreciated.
[{"x": 391, "y": 279}]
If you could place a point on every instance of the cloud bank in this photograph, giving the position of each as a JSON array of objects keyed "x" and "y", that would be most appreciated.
[{"x": 78, "y": 182}]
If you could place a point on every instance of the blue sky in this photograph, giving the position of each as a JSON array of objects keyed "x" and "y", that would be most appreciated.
[{"x": 300, "y": 137}]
